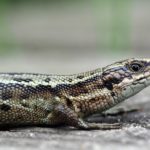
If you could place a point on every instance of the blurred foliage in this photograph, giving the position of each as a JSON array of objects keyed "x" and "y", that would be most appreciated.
[
  {"x": 113, "y": 23},
  {"x": 7, "y": 43}
]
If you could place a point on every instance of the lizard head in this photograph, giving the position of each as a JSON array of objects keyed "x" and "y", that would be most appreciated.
[{"x": 127, "y": 77}]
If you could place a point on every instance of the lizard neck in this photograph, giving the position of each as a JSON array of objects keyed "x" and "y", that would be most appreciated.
[{"x": 90, "y": 93}]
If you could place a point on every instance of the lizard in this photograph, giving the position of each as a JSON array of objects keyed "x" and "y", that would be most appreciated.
[{"x": 52, "y": 100}]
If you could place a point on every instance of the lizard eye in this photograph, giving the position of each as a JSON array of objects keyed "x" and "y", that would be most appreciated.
[{"x": 135, "y": 66}]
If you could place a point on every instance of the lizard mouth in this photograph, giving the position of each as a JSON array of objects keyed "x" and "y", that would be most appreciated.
[{"x": 147, "y": 80}]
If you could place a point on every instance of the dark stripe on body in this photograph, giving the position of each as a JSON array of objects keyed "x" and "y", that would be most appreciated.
[
  {"x": 82, "y": 87},
  {"x": 5, "y": 107},
  {"x": 22, "y": 79},
  {"x": 20, "y": 91}
]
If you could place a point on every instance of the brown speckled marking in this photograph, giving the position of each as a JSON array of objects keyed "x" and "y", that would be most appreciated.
[
  {"x": 70, "y": 80},
  {"x": 47, "y": 80},
  {"x": 80, "y": 77},
  {"x": 81, "y": 88}
]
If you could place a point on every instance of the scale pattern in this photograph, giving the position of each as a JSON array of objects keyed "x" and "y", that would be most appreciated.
[{"x": 40, "y": 99}]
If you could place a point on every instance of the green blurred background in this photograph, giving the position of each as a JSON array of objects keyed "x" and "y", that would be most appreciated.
[{"x": 67, "y": 36}]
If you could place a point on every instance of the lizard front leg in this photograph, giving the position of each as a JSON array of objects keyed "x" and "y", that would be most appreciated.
[{"x": 62, "y": 114}]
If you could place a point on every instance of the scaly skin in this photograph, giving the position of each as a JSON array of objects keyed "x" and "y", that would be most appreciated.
[{"x": 38, "y": 99}]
